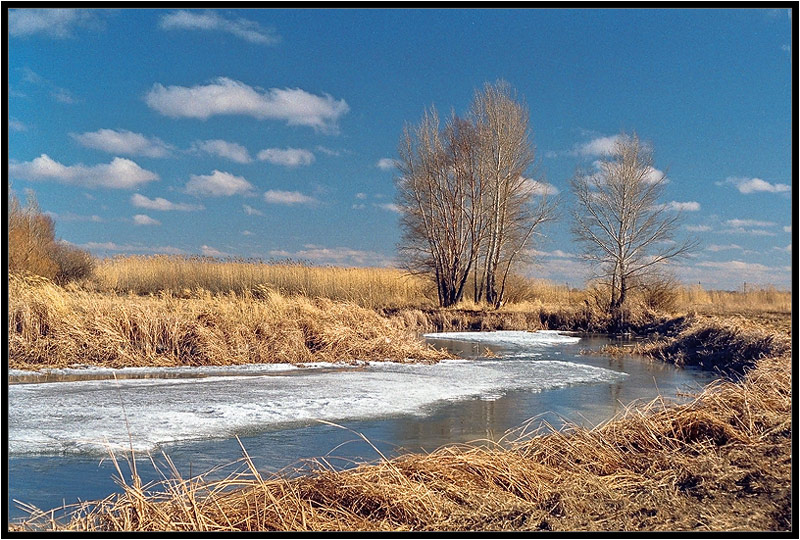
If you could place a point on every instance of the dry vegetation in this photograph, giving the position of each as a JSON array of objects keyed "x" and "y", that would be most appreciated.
[
  {"x": 52, "y": 326},
  {"x": 139, "y": 311},
  {"x": 182, "y": 277},
  {"x": 721, "y": 462},
  {"x": 730, "y": 345},
  {"x": 33, "y": 248}
]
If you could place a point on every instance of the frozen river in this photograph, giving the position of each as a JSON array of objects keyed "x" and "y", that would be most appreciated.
[{"x": 60, "y": 432}]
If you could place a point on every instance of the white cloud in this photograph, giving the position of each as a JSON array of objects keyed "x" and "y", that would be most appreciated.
[
  {"x": 787, "y": 228},
  {"x": 560, "y": 269},
  {"x": 337, "y": 255},
  {"x": 358, "y": 206},
  {"x": 361, "y": 196},
  {"x": 688, "y": 206},
  {"x": 162, "y": 204},
  {"x": 698, "y": 228},
  {"x": 748, "y": 223},
  {"x": 386, "y": 164},
  {"x": 731, "y": 274},
  {"x": 787, "y": 249},
  {"x": 226, "y": 96},
  {"x": 540, "y": 188},
  {"x": 130, "y": 248},
  {"x": 247, "y": 233},
  {"x": 751, "y": 232},
  {"x": 250, "y": 211},
  {"x": 557, "y": 253},
  {"x": 228, "y": 150},
  {"x": 717, "y": 247},
  {"x": 121, "y": 173},
  {"x": 754, "y": 185},
  {"x": 57, "y": 23},
  {"x": 288, "y": 157},
  {"x": 274, "y": 196},
  {"x": 62, "y": 95},
  {"x": 245, "y": 29},
  {"x": 327, "y": 151},
  {"x": 69, "y": 216},
  {"x": 218, "y": 184},
  {"x": 650, "y": 175},
  {"x": 123, "y": 142},
  {"x": 16, "y": 125},
  {"x": 601, "y": 146},
  {"x": 141, "y": 219},
  {"x": 391, "y": 207},
  {"x": 209, "y": 251}
]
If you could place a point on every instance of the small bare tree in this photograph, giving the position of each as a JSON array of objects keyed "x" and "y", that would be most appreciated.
[{"x": 620, "y": 223}]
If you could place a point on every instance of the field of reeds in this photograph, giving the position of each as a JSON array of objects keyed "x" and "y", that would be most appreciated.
[
  {"x": 52, "y": 326},
  {"x": 720, "y": 462},
  {"x": 164, "y": 311},
  {"x": 184, "y": 276}
]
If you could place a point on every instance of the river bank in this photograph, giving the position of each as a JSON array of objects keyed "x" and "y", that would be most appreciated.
[
  {"x": 719, "y": 462},
  {"x": 57, "y": 327}
]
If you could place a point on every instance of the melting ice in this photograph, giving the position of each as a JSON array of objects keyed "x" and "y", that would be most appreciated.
[{"x": 92, "y": 415}]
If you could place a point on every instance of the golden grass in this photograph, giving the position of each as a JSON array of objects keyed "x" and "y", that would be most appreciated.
[
  {"x": 730, "y": 345},
  {"x": 180, "y": 276},
  {"x": 52, "y": 326},
  {"x": 721, "y": 302},
  {"x": 721, "y": 462},
  {"x": 382, "y": 287}
]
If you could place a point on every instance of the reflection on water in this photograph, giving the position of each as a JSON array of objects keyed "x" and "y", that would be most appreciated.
[{"x": 47, "y": 480}]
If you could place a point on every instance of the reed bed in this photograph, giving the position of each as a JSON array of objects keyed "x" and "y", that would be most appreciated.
[
  {"x": 180, "y": 276},
  {"x": 720, "y": 462},
  {"x": 52, "y": 326},
  {"x": 765, "y": 298},
  {"x": 392, "y": 288},
  {"x": 728, "y": 345}
]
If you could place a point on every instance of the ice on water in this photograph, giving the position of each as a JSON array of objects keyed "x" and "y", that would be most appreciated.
[
  {"x": 92, "y": 415},
  {"x": 510, "y": 337}
]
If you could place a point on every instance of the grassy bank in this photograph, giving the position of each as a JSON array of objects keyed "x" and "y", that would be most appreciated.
[
  {"x": 167, "y": 311},
  {"x": 720, "y": 462},
  {"x": 730, "y": 345},
  {"x": 51, "y": 326}
]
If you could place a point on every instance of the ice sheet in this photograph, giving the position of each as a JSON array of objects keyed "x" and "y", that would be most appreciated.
[
  {"x": 540, "y": 338},
  {"x": 91, "y": 416}
]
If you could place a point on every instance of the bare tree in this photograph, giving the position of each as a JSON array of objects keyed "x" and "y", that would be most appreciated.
[
  {"x": 512, "y": 206},
  {"x": 468, "y": 208},
  {"x": 436, "y": 199},
  {"x": 619, "y": 221}
]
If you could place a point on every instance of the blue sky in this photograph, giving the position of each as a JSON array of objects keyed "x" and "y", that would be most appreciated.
[{"x": 270, "y": 133}]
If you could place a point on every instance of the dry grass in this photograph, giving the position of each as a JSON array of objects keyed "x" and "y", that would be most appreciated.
[
  {"x": 721, "y": 462},
  {"x": 726, "y": 302},
  {"x": 728, "y": 345},
  {"x": 180, "y": 276},
  {"x": 52, "y": 326}
]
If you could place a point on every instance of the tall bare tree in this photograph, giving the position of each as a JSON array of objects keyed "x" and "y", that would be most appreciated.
[
  {"x": 510, "y": 215},
  {"x": 467, "y": 207},
  {"x": 620, "y": 223},
  {"x": 436, "y": 199}
]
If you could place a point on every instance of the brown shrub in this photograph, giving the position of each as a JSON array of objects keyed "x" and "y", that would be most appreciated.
[{"x": 32, "y": 247}]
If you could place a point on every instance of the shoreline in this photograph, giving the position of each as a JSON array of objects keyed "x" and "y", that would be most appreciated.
[{"x": 720, "y": 462}]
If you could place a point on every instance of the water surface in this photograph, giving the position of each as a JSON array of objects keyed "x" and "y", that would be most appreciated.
[{"x": 61, "y": 432}]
